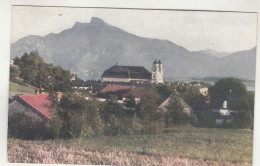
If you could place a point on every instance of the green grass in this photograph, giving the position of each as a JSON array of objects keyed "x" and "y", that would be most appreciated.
[
  {"x": 20, "y": 88},
  {"x": 232, "y": 145}
]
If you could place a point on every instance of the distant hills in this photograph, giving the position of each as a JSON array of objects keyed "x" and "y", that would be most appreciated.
[
  {"x": 87, "y": 49},
  {"x": 214, "y": 53}
]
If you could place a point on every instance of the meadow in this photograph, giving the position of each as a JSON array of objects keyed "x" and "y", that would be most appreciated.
[
  {"x": 184, "y": 145},
  {"x": 15, "y": 88}
]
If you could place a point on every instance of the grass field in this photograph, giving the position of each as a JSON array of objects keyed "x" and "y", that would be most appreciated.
[
  {"x": 17, "y": 88},
  {"x": 182, "y": 146}
]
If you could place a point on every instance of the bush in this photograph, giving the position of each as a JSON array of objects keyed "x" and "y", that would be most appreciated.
[
  {"x": 193, "y": 120},
  {"x": 80, "y": 118},
  {"x": 243, "y": 119},
  {"x": 24, "y": 127}
]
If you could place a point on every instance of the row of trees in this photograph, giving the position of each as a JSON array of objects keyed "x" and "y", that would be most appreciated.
[
  {"x": 74, "y": 117},
  {"x": 81, "y": 118}
]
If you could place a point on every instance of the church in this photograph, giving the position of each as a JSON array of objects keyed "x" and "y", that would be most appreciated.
[
  {"x": 157, "y": 72},
  {"x": 137, "y": 74}
]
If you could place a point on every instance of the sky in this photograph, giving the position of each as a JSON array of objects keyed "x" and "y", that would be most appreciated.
[{"x": 194, "y": 30}]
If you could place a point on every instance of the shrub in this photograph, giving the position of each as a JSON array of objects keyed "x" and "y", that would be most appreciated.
[{"x": 24, "y": 127}]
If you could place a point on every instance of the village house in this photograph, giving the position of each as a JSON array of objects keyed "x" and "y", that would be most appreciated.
[
  {"x": 186, "y": 108},
  {"x": 222, "y": 108},
  {"x": 202, "y": 89},
  {"x": 226, "y": 115},
  {"x": 122, "y": 92},
  {"x": 36, "y": 106},
  {"x": 134, "y": 93}
]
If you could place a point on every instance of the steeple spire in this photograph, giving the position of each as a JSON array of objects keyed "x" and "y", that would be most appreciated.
[
  {"x": 155, "y": 62},
  {"x": 157, "y": 72}
]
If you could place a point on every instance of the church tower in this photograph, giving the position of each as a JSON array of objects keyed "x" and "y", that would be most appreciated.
[{"x": 157, "y": 72}]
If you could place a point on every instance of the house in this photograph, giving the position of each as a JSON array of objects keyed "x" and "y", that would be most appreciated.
[
  {"x": 95, "y": 86},
  {"x": 134, "y": 93},
  {"x": 223, "y": 104},
  {"x": 224, "y": 111},
  {"x": 202, "y": 89},
  {"x": 122, "y": 92},
  {"x": 186, "y": 108},
  {"x": 36, "y": 106},
  {"x": 222, "y": 107},
  {"x": 117, "y": 90}
]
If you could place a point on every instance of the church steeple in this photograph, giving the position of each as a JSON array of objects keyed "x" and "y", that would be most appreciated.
[
  {"x": 155, "y": 62},
  {"x": 157, "y": 72}
]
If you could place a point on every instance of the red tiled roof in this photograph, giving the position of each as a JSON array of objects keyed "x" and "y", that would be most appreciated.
[
  {"x": 118, "y": 90},
  {"x": 39, "y": 102},
  {"x": 135, "y": 93},
  {"x": 114, "y": 88}
]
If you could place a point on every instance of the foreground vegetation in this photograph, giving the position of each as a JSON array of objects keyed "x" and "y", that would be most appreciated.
[
  {"x": 178, "y": 146},
  {"x": 91, "y": 132}
]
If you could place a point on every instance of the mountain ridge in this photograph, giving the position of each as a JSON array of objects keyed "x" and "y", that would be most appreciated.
[
  {"x": 214, "y": 53},
  {"x": 93, "y": 47}
]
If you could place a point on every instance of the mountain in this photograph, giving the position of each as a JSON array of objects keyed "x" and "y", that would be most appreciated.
[
  {"x": 240, "y": 64},
  {"x": 214, "y": 53},
  {"x": 87, "y": 49}
]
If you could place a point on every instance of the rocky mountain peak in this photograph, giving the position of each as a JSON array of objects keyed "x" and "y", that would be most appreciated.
[{"x": 96, "y": 20}]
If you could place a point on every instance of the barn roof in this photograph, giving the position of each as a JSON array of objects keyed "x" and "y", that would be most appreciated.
[
  {"x": 40, "y": 103},
  {"x": 165, "y": 103},
  {"x": 135, "y": 93},
  {"x": 118, "y": 90},
  {"x": 134, "y": 72}
]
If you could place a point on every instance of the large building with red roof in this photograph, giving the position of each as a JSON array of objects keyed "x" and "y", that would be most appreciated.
[
  {"x": 36, "y": 106},
  {"x": 134, "y": 93},
  {"x": 122, "y": 92}
]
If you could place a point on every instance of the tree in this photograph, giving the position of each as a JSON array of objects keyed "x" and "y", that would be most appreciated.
[
  {"x": 14, "y": 72},
  {"x": 80, "y": 118},
  {"x": 130, "y": 103},
  {"x": 36, "y": 72},
  {"x": 244, "y": 102},
  {"x": 112, "y": 115},
  {"x": 192, "y": 96},
  {"x": 148, "y": 106},
  {"x": 175, "y": 114},
  {"x": 223, "y": 86},
  {"x": 245, "y": 117},
  {"x": 25, "y": 127},
  {"x": 111, "y": 98},
  {"x": 207, "y": 118},
  {"x": 147, "y": 110}
]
